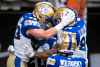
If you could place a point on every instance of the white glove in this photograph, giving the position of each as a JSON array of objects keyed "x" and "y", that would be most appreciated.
[
  {"x": 11, "y": 48},
  {"x": 66, "y": 19}
]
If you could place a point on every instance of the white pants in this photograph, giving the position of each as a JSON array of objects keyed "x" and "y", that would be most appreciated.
[{"x": 14, "y": 61}]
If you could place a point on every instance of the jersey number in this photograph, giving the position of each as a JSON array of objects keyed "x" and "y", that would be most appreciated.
[{"x": 82, "y": 44}]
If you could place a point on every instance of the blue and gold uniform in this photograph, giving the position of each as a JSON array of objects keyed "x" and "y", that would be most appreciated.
[
  {"x": 37, "y": 19},
  {"x": 74, "y": 38},
  {"x": 23, "y": 49}
]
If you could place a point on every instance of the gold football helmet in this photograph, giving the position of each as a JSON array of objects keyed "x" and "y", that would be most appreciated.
[
  {"x": 44, "y": 10},
  {"x": 64, "y": 13}
]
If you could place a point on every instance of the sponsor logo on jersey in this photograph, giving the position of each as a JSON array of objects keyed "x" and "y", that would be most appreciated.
[{"x": 51, "y": 61}]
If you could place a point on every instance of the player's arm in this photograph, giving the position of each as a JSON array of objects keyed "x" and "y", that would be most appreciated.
[
  {"x": 66, "y": 19},
  {"x": 40, "y": 33}
]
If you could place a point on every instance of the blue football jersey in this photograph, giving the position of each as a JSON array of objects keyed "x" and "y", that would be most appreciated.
[
  {"x": 75, "y": 37},
  {"x": 29, "y": 21},
  {"x": 61, "y": 61},
  {"x": 22, "y": 42}
]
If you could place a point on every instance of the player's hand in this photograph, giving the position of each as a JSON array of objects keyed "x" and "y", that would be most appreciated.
[
  {"x": 42, "y": 55},
  {"x": 11, "y": 49}
]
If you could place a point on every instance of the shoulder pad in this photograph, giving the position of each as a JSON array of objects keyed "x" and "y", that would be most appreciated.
[
  {"x": 79, "y": 24},
  {"x": 29, "y": 16}
]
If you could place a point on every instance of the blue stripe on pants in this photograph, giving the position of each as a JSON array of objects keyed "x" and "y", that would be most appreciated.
[{"x": 17, "y": 62}]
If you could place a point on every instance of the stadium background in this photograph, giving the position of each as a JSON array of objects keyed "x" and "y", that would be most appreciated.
[{"x": 11, "y": 10}]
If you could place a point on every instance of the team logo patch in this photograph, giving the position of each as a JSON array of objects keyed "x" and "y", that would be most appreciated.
[
  {"x": 31, "y": 22},
  {"x": 28, "y": 22},
  {"x": 51, "y": 61}
]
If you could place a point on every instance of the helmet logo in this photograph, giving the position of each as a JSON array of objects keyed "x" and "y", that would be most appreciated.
[{"x": 43, "y": 10}]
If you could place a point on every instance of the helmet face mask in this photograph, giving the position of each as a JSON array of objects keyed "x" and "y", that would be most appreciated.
[{"x": 44, "y": 10}]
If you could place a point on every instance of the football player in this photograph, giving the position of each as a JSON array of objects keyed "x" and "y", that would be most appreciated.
[
  {"x": 35, "y": 26},
  {"x": 71, "y": 47}
]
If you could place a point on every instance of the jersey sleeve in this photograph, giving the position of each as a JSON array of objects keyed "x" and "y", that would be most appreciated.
[{"x": 30, "y": 22}]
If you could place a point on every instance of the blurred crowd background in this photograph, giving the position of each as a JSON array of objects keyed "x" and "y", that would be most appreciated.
[{"x": 11, "y": 10}]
